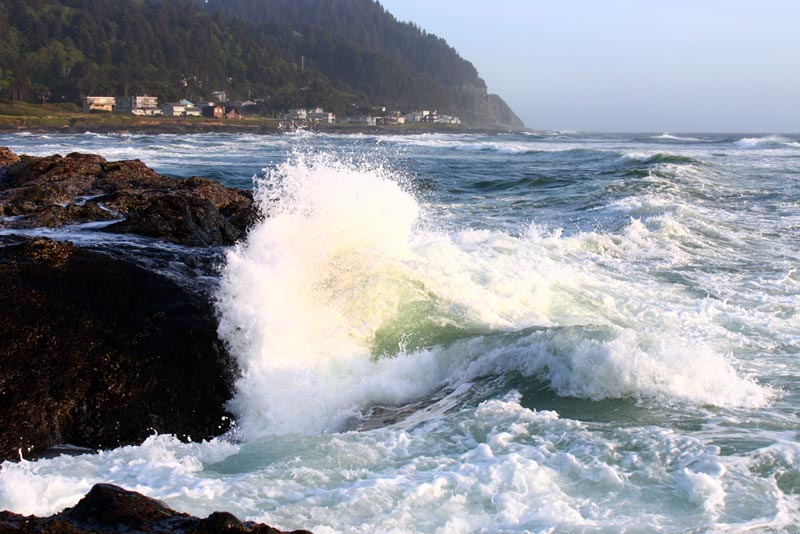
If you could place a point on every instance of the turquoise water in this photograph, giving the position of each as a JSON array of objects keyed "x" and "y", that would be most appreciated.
[{"x": 460, "y": 333}]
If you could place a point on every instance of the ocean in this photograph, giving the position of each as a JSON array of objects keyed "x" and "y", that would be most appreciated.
[{"x": 453, "y": 333}]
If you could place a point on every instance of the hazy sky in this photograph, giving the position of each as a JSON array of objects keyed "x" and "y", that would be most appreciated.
[{"x": 630, "y": 65}]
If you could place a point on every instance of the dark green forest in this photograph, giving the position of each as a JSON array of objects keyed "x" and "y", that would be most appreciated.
[
  {"x": 343, "y": 56},
  {"x": 367, "y": 24}
]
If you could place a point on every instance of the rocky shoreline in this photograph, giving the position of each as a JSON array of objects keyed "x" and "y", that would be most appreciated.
[
  {"x": 99, "y": 351},
  {"x": 156, "y": 126},
  {"x": 109, "y": 508}
]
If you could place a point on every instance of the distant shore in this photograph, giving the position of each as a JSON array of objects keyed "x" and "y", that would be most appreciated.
[{"x": 34, "y": 118}]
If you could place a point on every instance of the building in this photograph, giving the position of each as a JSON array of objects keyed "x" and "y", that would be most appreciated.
[
  {"x": 368, "y": 120},
  {"x": 447, "y": 119},
  {"x": 299, "y": 114},
  {"x": 428, "y": 116},
  {"x": 320, "y": 116},
  {"x": 193, "y": 111},
  {"x": 419, "y": 116},
  {"x": 232, "y": 113},
  {"x": 220, "y": 111},
  {"x": 138, "y": 105},
  {"x": 220, "y": 96},
  {"x": 99, "y": 103},
  {"x": 174, "y": 109},
  {"x": 216, "y": 111},
  {"x": 391, "y": 119}
]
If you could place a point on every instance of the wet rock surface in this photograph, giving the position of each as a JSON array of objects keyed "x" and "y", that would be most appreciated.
[
  {"x": 109, "y": 508},
  {"x": 99, "y": 352},
  {"x": 55, "y": 191},
  {"x": 103, "y": 346}
]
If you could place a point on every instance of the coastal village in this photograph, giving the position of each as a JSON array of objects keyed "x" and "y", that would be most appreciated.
[{"x": 220, "y": 108}]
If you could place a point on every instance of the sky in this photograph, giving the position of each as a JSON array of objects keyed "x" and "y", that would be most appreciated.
[{"x": 630, "y": 65}]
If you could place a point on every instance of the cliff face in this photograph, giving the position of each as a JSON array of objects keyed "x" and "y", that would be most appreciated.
[
  {"x": 502, "y": 115},
  {"x": 484, "y": 110}
]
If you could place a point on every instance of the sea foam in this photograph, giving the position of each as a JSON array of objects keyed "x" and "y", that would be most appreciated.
[{"x": 341, "y": 298}]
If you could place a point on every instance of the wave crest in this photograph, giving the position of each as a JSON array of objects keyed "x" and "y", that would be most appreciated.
[{"x": 341, "y": 299}]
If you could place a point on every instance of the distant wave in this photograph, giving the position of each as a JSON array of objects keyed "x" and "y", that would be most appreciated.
[
  {"x": 675, "y": 137},
  {"x": 770, "y": 141},
  {"x": 662, "y": 157}
]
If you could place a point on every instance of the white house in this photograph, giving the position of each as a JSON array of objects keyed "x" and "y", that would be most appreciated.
[
  {"x": 447, "y": 119},
  {"x": 419, "y": 116},
  {"x": 318, "y": 116},
  {"x": 139, "y": 105},
  {"x": 299, "y": 114}
]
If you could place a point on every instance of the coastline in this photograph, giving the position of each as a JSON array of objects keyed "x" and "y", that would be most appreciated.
[{"x": 33, "y": 118}]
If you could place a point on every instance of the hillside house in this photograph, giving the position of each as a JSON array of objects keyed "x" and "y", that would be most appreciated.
[
  {"x": 216, "y": 111},
  {"x": 232, "y": 113},
  {"x": 220, "y": 111},
  {"x": 391, "y": 119},
  {"x": 419, "y": 116},
  {"x": 320, "y": 116},
  {"x": 193, "y": 111},
  {"x": 368, "y": 120},
  {"x": 139, "y": 105},
  {"x": 99, "y": 103},
  {"x": 447, "y": 119},
  {"x": 299, "y": 114},
  {"x": 174, "y": 109}
]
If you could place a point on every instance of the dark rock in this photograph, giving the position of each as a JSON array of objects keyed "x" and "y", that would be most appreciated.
[
  {"x": 109, "y": 505},
  {"x": 109, "y": 508},
  {"x": 199, "y": 212},
  {"x": 189, "y": 221},
  {"x": 98, "y": 352},
  {"x": 54, "y": 191}
]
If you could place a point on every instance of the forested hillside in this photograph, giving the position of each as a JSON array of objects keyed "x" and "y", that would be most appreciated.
[
  {"x": 65, "y": 49},
  {"x": 343, "y": 56},
  {"x": 366, "y": 23}
]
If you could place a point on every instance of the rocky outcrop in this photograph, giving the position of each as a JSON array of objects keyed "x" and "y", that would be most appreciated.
[
  {"x": 98, "y": 352},
  {"x": 55, "y": 191},
  {"x": 484, "y": 110},
  {"x": 109, "y": 508},
  {"x": 501, "y": 114}
]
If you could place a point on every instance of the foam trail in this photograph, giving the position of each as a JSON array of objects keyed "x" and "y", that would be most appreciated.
[{"x": 341, "y": 299}]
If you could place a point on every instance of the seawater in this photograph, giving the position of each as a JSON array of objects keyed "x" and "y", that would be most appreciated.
[{"x": 542, "y": 332}]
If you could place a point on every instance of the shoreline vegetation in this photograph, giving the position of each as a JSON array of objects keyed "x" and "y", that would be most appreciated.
[{"x": 52, "y": 118}]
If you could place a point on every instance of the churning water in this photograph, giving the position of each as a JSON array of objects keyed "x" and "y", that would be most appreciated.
[{"x": 462, "y": 333}]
